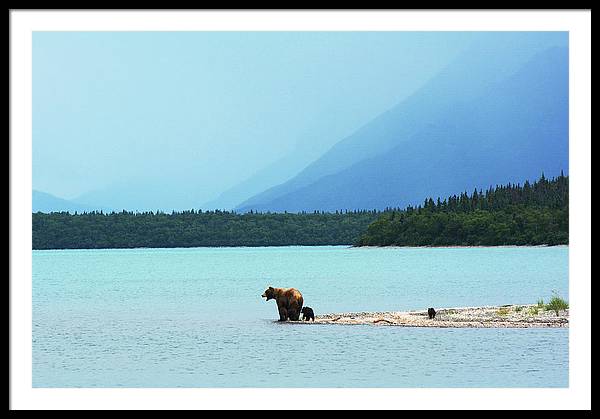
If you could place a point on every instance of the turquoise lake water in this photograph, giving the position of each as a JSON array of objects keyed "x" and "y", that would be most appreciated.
[{"x": 194, "y": 317}]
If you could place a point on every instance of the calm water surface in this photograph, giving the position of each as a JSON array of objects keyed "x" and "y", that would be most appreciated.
[{"x": 194, "y": 317}]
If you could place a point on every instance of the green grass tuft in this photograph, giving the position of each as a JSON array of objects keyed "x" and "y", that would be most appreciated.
[{"x": 557, "y": 304}]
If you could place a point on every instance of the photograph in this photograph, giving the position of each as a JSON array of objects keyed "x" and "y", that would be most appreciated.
[{"x": 236, "y": 208}]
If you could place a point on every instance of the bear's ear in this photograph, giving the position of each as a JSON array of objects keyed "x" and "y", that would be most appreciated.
[{"x": 271, "y": 288}]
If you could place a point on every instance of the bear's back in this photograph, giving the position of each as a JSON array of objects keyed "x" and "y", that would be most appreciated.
[{"x": 288, "y": 292}]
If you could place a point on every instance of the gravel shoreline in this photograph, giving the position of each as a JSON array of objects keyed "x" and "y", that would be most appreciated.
[{"x": 506, "y": 316}]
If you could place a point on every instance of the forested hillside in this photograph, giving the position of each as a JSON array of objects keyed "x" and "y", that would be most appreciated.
[
  {"x": 528, "y": 214},
  {"x": 98, "y": 230}
]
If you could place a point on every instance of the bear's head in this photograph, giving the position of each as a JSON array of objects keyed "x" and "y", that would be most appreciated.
[
  {"x": 305, "y": 310},
  {"x": 269, "y": 293}
]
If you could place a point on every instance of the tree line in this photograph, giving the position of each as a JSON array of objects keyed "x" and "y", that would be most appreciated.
[
  {"x": 514, "y": 214},
  {"x": 96, "y": 230}
]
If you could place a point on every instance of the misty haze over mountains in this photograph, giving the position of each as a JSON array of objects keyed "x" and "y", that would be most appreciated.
[
  {"x": 497, "y": 113},
  {"x": 511, "y": 131}
]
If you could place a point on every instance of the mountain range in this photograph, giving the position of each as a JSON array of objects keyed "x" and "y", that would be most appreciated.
[
  {"x": 473, "y": 126},
  {"x": 497, "y": 114}
]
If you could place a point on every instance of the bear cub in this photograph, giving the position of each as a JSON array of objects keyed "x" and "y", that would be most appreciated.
[
  {"x": 431, "y": 313},
  {"x": 308, "y": 314}
]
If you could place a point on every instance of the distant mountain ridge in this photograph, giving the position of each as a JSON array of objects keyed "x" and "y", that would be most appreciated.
[
  {"x": 281, "y": 170},
  {"x": 496, "y": 130},
  {"x": 45, "y": 202}
]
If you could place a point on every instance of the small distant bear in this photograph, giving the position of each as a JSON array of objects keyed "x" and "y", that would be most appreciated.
[
  {"x": 308, "y": 314},
  {"x": 431, "y": 313},
  {"x": 289, "y": 302}
]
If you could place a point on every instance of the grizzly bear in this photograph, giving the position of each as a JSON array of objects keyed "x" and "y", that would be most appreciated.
[{"x": 289, "y": 302}]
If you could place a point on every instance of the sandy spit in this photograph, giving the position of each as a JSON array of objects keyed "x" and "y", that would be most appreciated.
[{"x": 506, "y": 316}]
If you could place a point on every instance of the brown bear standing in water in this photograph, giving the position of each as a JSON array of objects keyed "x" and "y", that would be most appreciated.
[{"x": 289, "y": 302}]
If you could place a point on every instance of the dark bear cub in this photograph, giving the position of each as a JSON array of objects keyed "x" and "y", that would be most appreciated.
[
  {"x": 431, "y": 313},
  {"x": 308, "y": 314}
]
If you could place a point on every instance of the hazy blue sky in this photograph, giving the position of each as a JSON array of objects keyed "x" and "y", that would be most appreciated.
[
  {"x": 209, "y": 107},
  {"x": 191, "y": 114}
]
